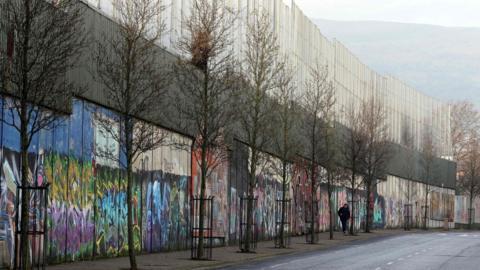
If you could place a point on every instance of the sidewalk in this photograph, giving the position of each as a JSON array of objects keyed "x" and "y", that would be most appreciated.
[{"x": 224, "y": 256}]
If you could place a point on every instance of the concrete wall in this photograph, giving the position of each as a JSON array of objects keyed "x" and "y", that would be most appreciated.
[
  {"x": 87, "y": 210},
  {"x": 86, "y": 216},
  {"x": 87, "y": 203},
  {"x": 462, "y": 204},
  {"x": 395, "y": 193}
]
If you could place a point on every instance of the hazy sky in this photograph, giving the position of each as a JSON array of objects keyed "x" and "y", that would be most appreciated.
[{"x": 438, "y": 12}]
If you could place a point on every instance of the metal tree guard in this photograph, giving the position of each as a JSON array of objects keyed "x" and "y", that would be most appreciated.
[
  {"x": 408, "y": 212},
  {"x": 252, "y": 245},
  {"x": 310, "y": 234},
  {"x": 283, "y": 241},
  {"x": 425, "y": 217},
  {"x": 37, "y": 223},
  {"x": 471, "y": 217},
  {"x": 354, "y": 215},
  {"x": 206, "y": 232}
]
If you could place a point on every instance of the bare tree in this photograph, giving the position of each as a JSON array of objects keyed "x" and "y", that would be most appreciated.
[
  {"x": 329, "y": 155},
  {"x": 206, "y": 79},
  {"x": 261, "y": 66},
  {"x": 469, "y": 172},
  {"x": 465, "y": 124},
  {"x": 377, "y": 151},
  {"x": 135, "y": 81},
  {"x": 354, "y": 145},
  {"x": 45, "y": 39},
  {"x": 410, "y": 168},
  {"x": 286, "y": 142},
  {"x": 464, "y": 119},
  {"x": 429, "y": 152},
  {"x": 317, "y": 99}
]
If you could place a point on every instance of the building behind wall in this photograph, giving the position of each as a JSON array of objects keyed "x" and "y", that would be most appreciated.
[
  {"x": 87, "y": 210},
  {"x": 302, "y": 41}
]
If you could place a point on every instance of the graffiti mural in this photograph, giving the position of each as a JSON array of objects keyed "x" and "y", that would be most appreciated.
[
  {"x": 167, "y": 211},
  {"x": 300, "y": 192},
  {"x": 8, "y": 190},
  {"x": 435, "y": 210},
  {"x": 217, "y": 186},
  {"x": 267, "y": 192},
  {"x": 461, "y": 209},
  {"x": 442, "y": 205},
  {"x": 87, "y": 209},
  {"x": 234, "y": 208},
  {"x": 80, "y": 219},
  {"x": 87, "y": 206},
  {"x": 379, "y": 219}
]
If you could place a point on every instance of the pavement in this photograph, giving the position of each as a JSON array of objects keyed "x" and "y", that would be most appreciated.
[
  {"x": 230, "y": 256},
  {"x": 380, "y": 250},
  {"x": 422, "y": 251}
]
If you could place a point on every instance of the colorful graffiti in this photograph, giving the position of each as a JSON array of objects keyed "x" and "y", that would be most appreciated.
[
  {"x": 87, "y": 207},
  {"x": 462, "y": 205},
  {"x": 379, "y": 220},
  {"x": 267, "y": 192},
  {"x": 7, "y": 207},
  {"x": 217, "y": 186},
  {"x": 461, "y": 209},
  {"x": 234, "y": 205},
  {"x": 165, "y": 224},
  {"x": 441, "y": 205}
]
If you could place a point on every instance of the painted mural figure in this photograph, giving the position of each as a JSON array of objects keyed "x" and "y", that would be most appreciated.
[{"x": 344, "y": 214}]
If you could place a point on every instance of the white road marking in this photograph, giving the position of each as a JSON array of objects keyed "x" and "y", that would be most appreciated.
[
  {"x": 416, "y": 253},
  {"x": 464, "y": 235},
  {"x": 389, "y": 263},
  {"x": 409, "y": 256},
  {"x": 378, "y": 268},
  {"x": 277, "y": 265}
]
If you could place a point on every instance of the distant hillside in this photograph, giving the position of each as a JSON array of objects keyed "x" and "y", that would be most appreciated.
[{"x": 443, "y": 62}]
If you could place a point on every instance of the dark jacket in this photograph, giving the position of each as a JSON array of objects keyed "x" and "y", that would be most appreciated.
[{"x": 344, "y": 213}]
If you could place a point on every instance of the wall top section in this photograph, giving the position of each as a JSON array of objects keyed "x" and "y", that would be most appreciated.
[{"x": 303, "y": 42}]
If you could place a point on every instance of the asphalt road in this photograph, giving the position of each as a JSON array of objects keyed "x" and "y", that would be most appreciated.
[{"x": 422, "y": 251}]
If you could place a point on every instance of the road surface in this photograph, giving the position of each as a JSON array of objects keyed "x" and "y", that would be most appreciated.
[{"x": 422, "y": 251}]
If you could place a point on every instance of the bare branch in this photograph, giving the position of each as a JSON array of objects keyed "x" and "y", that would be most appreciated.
[{"x": 135, "y": 81}]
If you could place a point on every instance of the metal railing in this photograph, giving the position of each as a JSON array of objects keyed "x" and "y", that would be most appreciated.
[{"x": 201, "y": 234}]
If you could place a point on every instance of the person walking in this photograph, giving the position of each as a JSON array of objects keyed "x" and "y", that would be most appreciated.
[{"x": 344, "y": 214}]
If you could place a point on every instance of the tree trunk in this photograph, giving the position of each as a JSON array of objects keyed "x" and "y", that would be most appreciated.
[
  {"x": 248, "y": 231},
  {"x": 408, "y": 209},
  {"x": 128, "y": 141},
  {"x": 204, "y": 165},
  {"x": 24, "y": 138},
  {"x": 368, "y": 206},
  {"x": 312, "y": 176},
  {"x": 330, "y": 206},
  {"x": 425, "y": 213},
  {"x": 470, "y": 209},
  {"x": 283, "y": 204},
  {"x": 352, "y": 216},
  {"x": 24, "y": 244},
  {"x": 201, "y": 218},
  {"x": 250, "y": 200},
  {"x": 312, "y": 205},
  {"x": 131, "y": 244}
]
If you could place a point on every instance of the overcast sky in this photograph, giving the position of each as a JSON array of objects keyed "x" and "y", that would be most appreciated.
[{"x": 437, "y": 12}]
